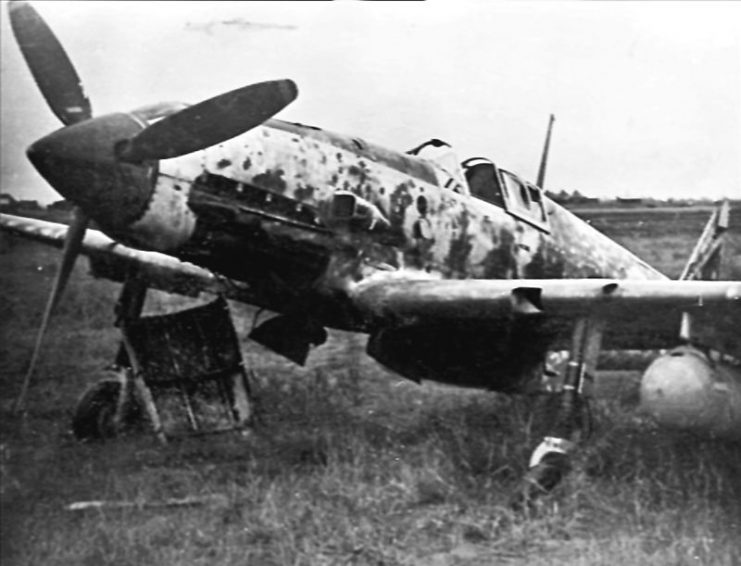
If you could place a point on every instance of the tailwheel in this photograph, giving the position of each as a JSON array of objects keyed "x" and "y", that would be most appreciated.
[
  {"x": 106, "y": 410},
  {"x": 569, "y": 416}
]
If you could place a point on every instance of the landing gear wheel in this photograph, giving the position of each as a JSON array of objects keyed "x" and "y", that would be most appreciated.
[{"x": 95, "y": 413}]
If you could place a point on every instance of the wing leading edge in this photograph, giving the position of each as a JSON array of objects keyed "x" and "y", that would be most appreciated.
[
  {"x": 640, "y": 314},
  {"x": 114, "y": 261}
]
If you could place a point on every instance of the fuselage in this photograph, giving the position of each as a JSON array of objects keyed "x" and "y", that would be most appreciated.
[
  {"x": 303, "y": 216},
  {"x": 298, "y": 211}
]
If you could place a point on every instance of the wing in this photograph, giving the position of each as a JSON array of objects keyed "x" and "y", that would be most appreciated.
[
  {"x": 640, "y": 314},
  {"x": 111, "y": 260}
]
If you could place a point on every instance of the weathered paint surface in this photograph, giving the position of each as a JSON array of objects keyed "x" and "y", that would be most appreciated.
[
  {"x": 303, "y": 216},
  {"x": 260, "y": 209},
  {"x": 275, "y": 184},
  {"x": 168, "y": 222}
]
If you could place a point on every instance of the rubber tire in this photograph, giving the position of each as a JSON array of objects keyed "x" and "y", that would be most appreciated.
[{"x": 93, "y": 418}]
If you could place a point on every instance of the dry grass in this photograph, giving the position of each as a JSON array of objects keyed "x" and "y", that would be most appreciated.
[{"x": 348, "y": 465}]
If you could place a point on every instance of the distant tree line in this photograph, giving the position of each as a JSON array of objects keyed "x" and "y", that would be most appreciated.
[{"x": 576, "y": 198}]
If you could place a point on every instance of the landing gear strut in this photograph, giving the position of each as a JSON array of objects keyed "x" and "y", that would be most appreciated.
[
  {"x": 551, "y": 460},
  {"x": 109, "y": 407},
  {"x": 182, "y": 371}
]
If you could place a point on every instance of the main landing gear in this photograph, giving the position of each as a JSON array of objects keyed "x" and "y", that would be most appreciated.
[
  {"x": 551, "y": 460},
  {"x": 180, "y": 372},
  {"x": 106, "y": 410}
]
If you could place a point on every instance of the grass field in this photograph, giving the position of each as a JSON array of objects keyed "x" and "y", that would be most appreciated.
[
  {"x": 664, "y": 237},
  {"x": 348, "y": 464}
]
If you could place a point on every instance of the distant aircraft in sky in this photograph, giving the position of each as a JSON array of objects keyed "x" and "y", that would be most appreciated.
[
  {"x": 459, "y": 272},
  {"x": 235, "y": 23}
]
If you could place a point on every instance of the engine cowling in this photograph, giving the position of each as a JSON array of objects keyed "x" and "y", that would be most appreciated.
[{"x": 684, "y": 389}]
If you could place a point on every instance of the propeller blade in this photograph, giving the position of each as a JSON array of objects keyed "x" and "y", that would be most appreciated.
[
  {"x": 72, "y": 245},
  {"x": 210, "y": 122},
  {"x": 49, "y": 64}
]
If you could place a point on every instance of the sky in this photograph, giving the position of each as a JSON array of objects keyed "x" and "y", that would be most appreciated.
[{"x": 647, "y": 95}]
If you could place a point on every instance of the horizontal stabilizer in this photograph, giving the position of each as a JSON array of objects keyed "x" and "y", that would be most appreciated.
[{"x": 704, "y": 263}]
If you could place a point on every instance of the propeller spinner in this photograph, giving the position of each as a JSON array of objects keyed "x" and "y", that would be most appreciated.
[{"x": 97, "y": 163}]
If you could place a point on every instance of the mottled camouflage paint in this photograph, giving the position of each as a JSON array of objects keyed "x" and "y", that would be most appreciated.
[
  {"x": 433, "y": 232},
  {"x": 272, "y": 209}
]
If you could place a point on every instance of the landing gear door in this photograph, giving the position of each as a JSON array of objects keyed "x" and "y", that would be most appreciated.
[{"x": 189, "y": 372}]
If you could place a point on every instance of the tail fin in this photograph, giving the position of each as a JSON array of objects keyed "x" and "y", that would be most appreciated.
[
  {"x": 704, "y": 263},
  {"x": 544, "y": 158}
]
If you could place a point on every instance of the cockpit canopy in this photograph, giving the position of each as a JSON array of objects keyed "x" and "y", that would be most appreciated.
[
  {"x": 487, "y": 182},
  {"x": 483, "y": 181},
  {"x": 504, "y": 189}
]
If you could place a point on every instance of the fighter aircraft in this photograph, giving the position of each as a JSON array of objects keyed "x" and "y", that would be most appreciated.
[{"x": 459, "y": 272}]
